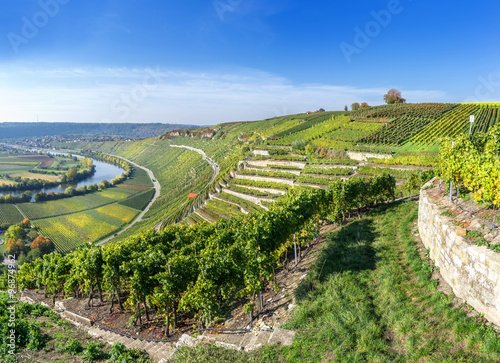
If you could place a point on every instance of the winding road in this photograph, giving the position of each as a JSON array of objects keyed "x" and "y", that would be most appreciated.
[
  {"x": 157, "y": 187},
  {"x": 212, "y": 163}
]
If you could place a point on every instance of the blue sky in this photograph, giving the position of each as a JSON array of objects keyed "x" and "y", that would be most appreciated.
[{"x": 208, "y": 61}]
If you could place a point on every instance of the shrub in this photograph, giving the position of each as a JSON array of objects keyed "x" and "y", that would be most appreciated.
[
  {"x": 299, "y": 145},
  {"x": 73, "y": 347}
]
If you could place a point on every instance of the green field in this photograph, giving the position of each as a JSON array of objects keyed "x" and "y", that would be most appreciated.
[
  {"x": 74, "y": 230},
  {"x": 59, "y": 207},
  {"x": 72, "y": 222},
  {"x": 140, "y": 200},
  {"x": 15, "y": 164},
  {"x": 9, "y": 214}
]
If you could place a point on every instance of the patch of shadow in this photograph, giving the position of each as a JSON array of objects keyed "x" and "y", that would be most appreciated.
[{"x": 348, "y": 249}]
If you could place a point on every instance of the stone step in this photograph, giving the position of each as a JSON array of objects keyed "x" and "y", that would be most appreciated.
[
  {"x": 231, "y": 338},
  {"x": 251, "y": 339}
]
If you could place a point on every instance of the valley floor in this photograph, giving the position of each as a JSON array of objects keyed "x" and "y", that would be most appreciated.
[{"x": 370, "y": 298}]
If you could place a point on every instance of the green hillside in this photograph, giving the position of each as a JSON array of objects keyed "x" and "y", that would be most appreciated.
[
  {"x": 409, "y": 131},
  {"x": 344, "y": 180}
]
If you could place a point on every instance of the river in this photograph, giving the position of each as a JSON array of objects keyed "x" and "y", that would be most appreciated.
[{"x": 103, "y": 171}]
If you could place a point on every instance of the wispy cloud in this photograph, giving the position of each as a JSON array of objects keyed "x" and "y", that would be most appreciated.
[{"x": 162, "y": 95}]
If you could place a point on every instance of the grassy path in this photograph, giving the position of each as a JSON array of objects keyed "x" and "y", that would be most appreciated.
[{"x": 370, "y": 299}]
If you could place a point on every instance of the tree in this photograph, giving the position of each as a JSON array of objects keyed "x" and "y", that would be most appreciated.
[
  {"x": 15, "y": 247},
  {"x": 104, "y": 184},
  {"x": 39, "y": 197},
  {"x": 346, "y": 108},
  {"x": 364, "y": 105},
  {"x": 393, "y": 96},
  {"x": 44, "y": 245},
  {"x": 15, "y": 232},
  {"x": 355, "y": 106},
  {"x": 26, "y": 223},
  {"x": 71, "y": 175}
]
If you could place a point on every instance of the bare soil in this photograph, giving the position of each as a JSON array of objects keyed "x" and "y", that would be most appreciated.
[{"x": 44, "y": 160}]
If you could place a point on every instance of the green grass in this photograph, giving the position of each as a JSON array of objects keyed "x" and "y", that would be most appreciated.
[
  {"x": 370, "y": 298},
  {"x": 3, "y": 247},
  {"x": 16, "y": 170}
]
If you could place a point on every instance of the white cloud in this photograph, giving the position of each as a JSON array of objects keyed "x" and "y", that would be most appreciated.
[{"x": 159, "y": 95}]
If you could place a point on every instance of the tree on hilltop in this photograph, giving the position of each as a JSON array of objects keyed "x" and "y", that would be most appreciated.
[
  {"x": 364, "y": 105},
  {"x": 393, "y": 96},
  {"x": 355, "y": 106}
]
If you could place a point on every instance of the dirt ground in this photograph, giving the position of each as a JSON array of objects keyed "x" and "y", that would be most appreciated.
[{"x": 44, "y": 160}]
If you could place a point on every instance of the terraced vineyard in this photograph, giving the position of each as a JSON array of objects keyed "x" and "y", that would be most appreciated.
[
  {"x": 314, "y": 132},
  {"x": 345, "y": 137},
  {"x": 327, "y": 171},
  {"x": 274, "y": 174},
  {"x": 380, "y": 113},
  {"x": 185, "y": 196},
  {"x": 308, "y": 123},
  {"x": 255, "y": 191},
  {"x": 181, "y": 172},
  {"x": 402, "y": 128},
  {"x": 450, "y": 124}
]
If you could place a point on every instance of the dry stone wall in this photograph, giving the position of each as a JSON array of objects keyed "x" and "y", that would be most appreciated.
[{"x": 473, "y": 272}]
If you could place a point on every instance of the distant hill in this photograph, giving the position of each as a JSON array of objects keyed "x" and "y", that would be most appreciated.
[{"x": 10, "y": 130}]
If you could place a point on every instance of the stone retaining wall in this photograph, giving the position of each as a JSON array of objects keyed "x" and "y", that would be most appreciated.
[
  {"x": 364, "y": 156},
  {"x": 473, "y": 272}
]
